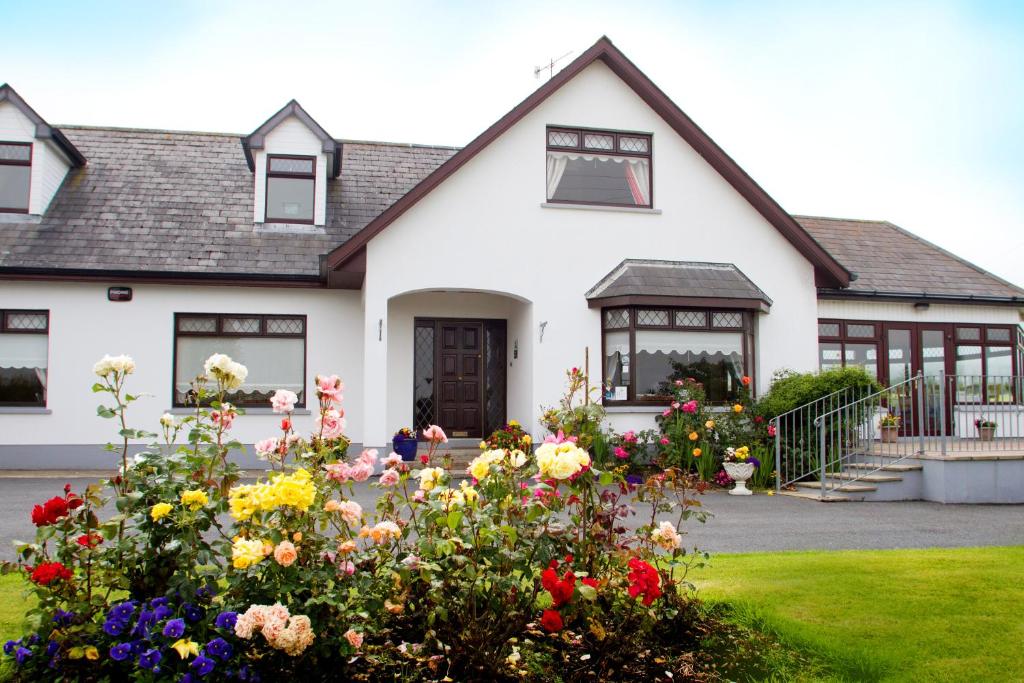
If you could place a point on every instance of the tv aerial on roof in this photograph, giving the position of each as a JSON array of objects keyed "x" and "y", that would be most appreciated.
[{"x": 549, "y": 67}]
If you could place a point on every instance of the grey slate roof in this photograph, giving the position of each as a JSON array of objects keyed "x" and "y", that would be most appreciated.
[
  {"x": 691, "y": 279},
  {"x": 163, "y": 201},
  {"x": 890, "y": 260}
]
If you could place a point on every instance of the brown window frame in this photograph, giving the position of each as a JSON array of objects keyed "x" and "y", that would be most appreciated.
[
  {"x": 844, "y": 338},
  {"x": 984, "y": 343},
  {"x": 617, "y": 135},
  {"x": 746, "y": 331},
  {"x": 262, "y": 334},
  {"x": 5, "y": 329},
  {"x": 19, "y": 162},
  {"x": 292, "y": 176}
]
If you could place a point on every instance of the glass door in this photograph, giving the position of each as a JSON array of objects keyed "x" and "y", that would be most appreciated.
[
  {"x": 933, "y": 362},
  {"x": 899, "y": 368}
]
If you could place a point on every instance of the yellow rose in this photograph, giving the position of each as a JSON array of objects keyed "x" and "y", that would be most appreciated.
[
  {"x": 710, "y": 424},
  {"x": 160, "y": 510},
  {"x": 185, "y": 648},
  {"x": 479, "y": 468},
  {"x": 527, "y": 439},
  {"x": 430, "y": 477},
  {"x": 737, "y": 408},
  {"x": 470, "y": 494},
  {"x": 245, "y": 553},
  {"x": 483, "y": 445},
  {"x": 694, "y": 436},
  {"x": 194, "y": 499}
]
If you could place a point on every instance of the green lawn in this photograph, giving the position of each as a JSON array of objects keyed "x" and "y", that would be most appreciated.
[{"x": 893, "y": 615}]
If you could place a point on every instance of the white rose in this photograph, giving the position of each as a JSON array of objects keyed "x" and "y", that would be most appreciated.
[
  {"x": 103, "y": 367},
  {"x": 167, "y": 420}
]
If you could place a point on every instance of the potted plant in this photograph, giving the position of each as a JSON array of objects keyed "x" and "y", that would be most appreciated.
[
  {"x": 740, "y": 466},
  {"x": 404, "y": 442},
  {"x": 889, "y": 425},
  {"x": 986, "y": 428}
]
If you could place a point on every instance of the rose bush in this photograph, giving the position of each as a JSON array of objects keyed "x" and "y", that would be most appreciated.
[{"x": 199, "y": 575}]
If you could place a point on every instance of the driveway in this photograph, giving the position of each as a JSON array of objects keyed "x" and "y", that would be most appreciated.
[{"x": 740, "y": 524}]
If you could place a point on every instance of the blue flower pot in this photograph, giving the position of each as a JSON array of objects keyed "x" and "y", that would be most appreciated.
[{"x": 405, "y": 447}]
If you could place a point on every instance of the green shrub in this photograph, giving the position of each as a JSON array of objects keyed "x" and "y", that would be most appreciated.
[{"x": 791, "y": 390}]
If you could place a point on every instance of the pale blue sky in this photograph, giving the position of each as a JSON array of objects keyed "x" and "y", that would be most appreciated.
[{"x": 908, "y": 111}]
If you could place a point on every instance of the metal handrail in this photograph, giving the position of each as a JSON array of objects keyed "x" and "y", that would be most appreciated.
[{"x": 886, "y": 391}]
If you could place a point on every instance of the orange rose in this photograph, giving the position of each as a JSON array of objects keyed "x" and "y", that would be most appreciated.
[
  {"x": 694, "y": 436},
  {"x": 697, "y": 452},
  {"x": 285, "y": 554},
  {"x": 746, "y": 381}
]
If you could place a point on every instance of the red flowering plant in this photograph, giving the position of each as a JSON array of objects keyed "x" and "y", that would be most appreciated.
[
  {"x": 511, "y": 437},
  {"x": 630, "y": 450}
]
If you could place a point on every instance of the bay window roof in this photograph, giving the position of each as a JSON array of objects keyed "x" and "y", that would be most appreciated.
[{"x": 678, "y": 283}]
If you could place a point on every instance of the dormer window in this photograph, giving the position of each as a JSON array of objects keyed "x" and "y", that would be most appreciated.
[
  {"x": 598, "y": 167},
  {"x": 15, "y": 176},
  {"x": 291, "y": 188}
]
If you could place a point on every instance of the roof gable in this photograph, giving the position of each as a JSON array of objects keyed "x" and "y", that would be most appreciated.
[
  {"x": 257, "y": 138},
  {"x": 44, "y": 131},
  {"x": 828, "y": 270}
]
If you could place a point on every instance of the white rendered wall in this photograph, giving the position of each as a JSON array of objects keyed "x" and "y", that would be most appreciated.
[
  {"x": 905, "y": 312},
  {"x": 488, "y": 231},
  {"x": 402, "y": 312},
  {"x": 49, "y": 165},
  {"x": 84, "y": 326},
  {"x": 291, "y": 137}
]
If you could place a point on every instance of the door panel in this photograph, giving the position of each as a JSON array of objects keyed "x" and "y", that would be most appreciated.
[{"x": 460, "y": 378}]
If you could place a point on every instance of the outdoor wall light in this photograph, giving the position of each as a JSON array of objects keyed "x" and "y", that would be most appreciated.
[
  {"x": 921, "y": 306},
  {"x": 542, "y": 326}
]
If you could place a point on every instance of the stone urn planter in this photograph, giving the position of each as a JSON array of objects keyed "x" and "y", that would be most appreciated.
[
  {"x": 890, "y": 433},
  {"x": 986, "y": 433},
  {"x": 740, "y": 472}
]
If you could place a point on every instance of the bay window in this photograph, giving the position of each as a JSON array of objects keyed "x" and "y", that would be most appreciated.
[
  {"x": 24, "y": 342},
  {"x": 272, "y": 347},
  {"x": 598, "y": 167},
  {"x": 647, "y": 349}
]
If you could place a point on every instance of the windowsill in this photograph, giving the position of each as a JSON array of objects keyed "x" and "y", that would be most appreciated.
[
  {"x": 24, "y": 410},
  {"x": 19, "y": 218},
  {"x": 248, "y": 411},
  {"x": 599, "y": 207},
  {"x": 289, "y": 228}
]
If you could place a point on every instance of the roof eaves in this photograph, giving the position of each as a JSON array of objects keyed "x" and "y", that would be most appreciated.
[{"x": 257, "y": 138}]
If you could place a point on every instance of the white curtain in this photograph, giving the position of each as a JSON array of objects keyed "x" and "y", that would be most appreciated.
[
  {"x": 638, "y": 172},
  {"x": 273, "y": 363},
  {"x": 556, "y": 167},
  {"x": 23, "y": 351}
]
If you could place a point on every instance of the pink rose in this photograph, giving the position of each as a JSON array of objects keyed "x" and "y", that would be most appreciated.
[
  {"x": 329, "y": 387},
  {"x": 620, "y": 452},
  {"x": 354, "y": 639},
  {"x": 679, "y": 382},
  {"x": 332, "y": 424},
  {"x": 283, "y": 401},
  {"x": 690, "y": 407},
  {"x": 368, "y": 457},
  {"x": 435, "y": 434},
  {"x": 629, "y": 436},
  {"x": 771, "y": 430},
  {"x": 664, "y": 441},
  {"x": 392, "y": 460},
  {"x": 419, "y": 495},
  {"x": 675, "y": 405},
  {"x": 349, "y": 569},
  {"x": 361, "y": 471},
  {"x": 265, "y": 448},
  {"x": 666, "y": 412},
  {"x": 351, "y": 512},
  {"x": 389, "y": 477}
]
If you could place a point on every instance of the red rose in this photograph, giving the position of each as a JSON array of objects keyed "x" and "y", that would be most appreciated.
[
  {"x": 286, "y": 424},
  {"x": 551, "y": 621},
  {"x": 588, "y": 581},
  {"x": 425, "y": 459},
  {"x": 746, "y": 381},
  {"x": 90, "y": 540},
  {"x": 47, "y": 572},
  {"x": 644, "y": 581},
  {"x": 39, "y": 516},
  {"x": 561, "y": 590},
  {"x": 74, "y": 502}
]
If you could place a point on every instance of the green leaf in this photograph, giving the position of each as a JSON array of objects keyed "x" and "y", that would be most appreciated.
[
  {"x": 97, "y": 388},
  {"x": 104, "y": 411},
  {"x": 588, "y": 592},
  {"x": 606, "y": 479},
  {"x": 454, "y": 519}
]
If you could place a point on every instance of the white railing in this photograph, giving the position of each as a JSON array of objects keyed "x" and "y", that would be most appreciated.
[{"x": 844, "y": 437}]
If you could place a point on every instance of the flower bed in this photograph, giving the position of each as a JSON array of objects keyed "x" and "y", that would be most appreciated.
[{"x": 524, "y": 568}]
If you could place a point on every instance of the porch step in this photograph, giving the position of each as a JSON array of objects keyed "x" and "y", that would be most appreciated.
[
  {"x": 887, "y": 468},
  {"x": 834, "y": 498},
  {"x": 845, "y": 488},
  {"x": 871, "y": 478}
]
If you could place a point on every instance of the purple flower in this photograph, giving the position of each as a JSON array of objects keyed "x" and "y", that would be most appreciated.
[
  {"x": 120, "y": 652},
  {"x": 754, "y": 461},
  {"x": 52, "y": 647},
  {"x": 10, "y": 646},
  {"x": 21, "y": 654},
  {"x": 193, "y": 613},
  {"x": 204, "y": 592},
  {"x": 174, "y": 628},
  {"x": 158, "y": 602},
  {"x": 62, "y": 618},
  {"x": 113, "y": 627},
  {"x": 219, "y": 648},
  {"x": 226, "y": 620},
  {"x": 161, "y": 612},
  {"x": 203, "y": 665},
  {"x": 150, "y": 658},
  {"x": 122, "y": 612}
]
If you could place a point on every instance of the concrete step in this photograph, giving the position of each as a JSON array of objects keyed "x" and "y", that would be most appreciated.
[
  {"x": 871, "y": 478},
  {"x": 833, "y": 498},
  {"x": 899, "y": 467},
  {"x": 844, "y": 488}
]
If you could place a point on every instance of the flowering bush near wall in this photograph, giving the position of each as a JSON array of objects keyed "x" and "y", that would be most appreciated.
[{"x": 198, "y": 575}]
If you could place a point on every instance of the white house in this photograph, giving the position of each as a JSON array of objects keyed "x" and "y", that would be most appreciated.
[{"x": 449, "y": 286}]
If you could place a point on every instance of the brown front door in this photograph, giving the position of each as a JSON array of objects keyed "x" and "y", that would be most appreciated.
[{"x": 460, "y": 378}]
